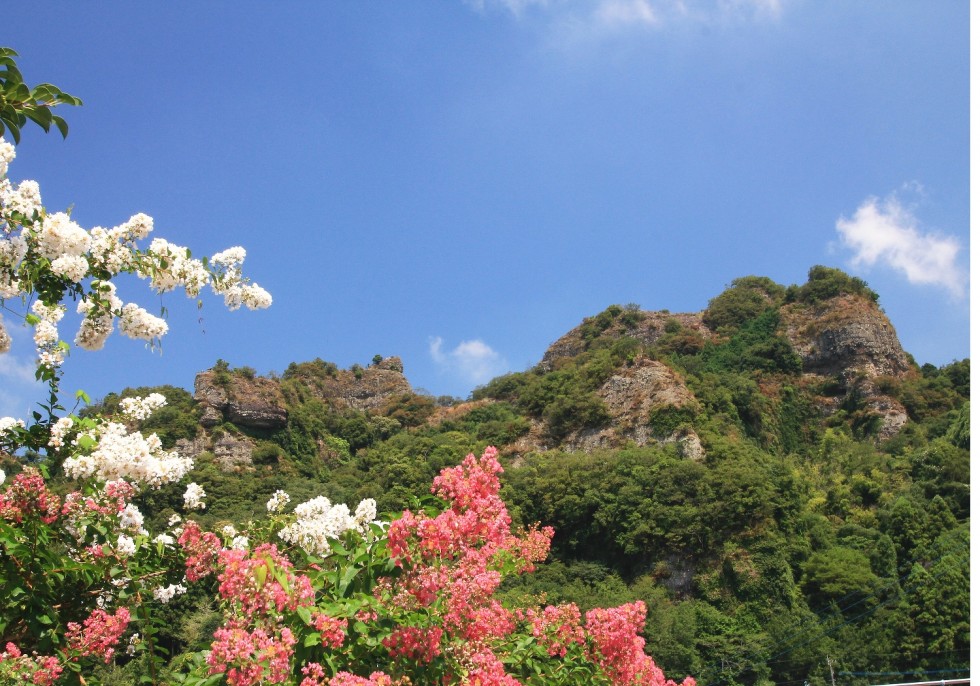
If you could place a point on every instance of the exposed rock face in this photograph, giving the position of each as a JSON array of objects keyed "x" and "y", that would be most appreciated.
[
  {"x": 252, "y": 402},
  {"x": 650, "y": 326},
  {"x": 363, "y": 388},
  {"x": 845, "y": 335},
  {"x": 232, "y": 452},
  {"x": 629, "y": 395},
  {"x": 850, "y": 338}
]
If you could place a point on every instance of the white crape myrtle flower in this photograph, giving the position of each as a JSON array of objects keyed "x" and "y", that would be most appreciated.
[
  {"x": 73, "y": 267},
  {"x": 231, "y": 258},
  {"x": 194, "y": 497},
  {"x": 131, "y": 519},
  {"x": 366, "y": 512},
  {"x": 107, "y": 252},
  {"x": 140, "y": 408},
  {"x": 26, "y": 198},
  {"x": 123, "y": 455},
  {"x": 135, "y": 322},
  {"x": 278, "y": 501},
  {"x": 174, "y": 520},
  {"x": 7, "y": 423},
  {"x": 239, "y": 543},
  {"x": 170, "y": 267},
  {"x": 48, "y": 313},
  {"x": 5, "y": 339},
  {"x": 137, "y": 227},
  {"x": 9, "y": 286},
  {"x": 59, "y": 430},
  {"x": 229, "y": 531},
  {"x": 165, "y": 539},
  {"x": 12, "y": 251},
  {"x": 165, "y": 594},
  {"x": 59, "y": 235},
  {"x": 254, "y": 297},
  {"x": 99, "y": 318},
  {"x": 46, "y": 333},
  {"x": 317, "y": 522},
  {"x": 3, "y": 477},
  {"x": 125, "y": 545},
  {"x": 7, "y": 155}
]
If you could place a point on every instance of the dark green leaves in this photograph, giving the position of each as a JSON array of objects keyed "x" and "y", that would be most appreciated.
[{"x": 20, "y": 103}]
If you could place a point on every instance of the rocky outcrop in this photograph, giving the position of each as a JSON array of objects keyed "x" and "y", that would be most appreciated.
[
  {"x": 361, "y": 388},
  {"x": 630, "y": 395},
  {"x": 848, "y": 335},
  {"x": 851, "y": 339},
  {"x": 646, "y": 327},
  {"x": 250, "y": 401}
]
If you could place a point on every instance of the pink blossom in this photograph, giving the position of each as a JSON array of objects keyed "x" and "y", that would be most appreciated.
[
  {"x": 28, "y": 496},
  {"x": 98, "y": 634},
  {"x": 201, "y": 549}
]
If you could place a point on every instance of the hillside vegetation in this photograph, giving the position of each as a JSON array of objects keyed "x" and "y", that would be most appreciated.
[{"x": 785, "y": 488}]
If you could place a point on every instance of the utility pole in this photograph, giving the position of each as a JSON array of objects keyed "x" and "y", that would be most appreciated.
[{"x": 831, "y": 665}]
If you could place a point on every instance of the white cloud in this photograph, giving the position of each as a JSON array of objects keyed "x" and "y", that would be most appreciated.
[
  {"x": 602, "y": 17},
  {"x": 616, "y": 13},
  {"x": 888, "y": 232},
  {"x": 474, "y": 360}
]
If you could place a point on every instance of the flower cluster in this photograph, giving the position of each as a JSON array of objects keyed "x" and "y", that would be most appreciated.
[
  {"x": 31, "y": 237},
  {"x": 17, "y": 668},
  {"x": 318, "y": 521},
  {"x": 28, "y": 496},
  {"x": 99, "y": 634},
  {"x": 119, "y": 454},
  {"x": 139, "y": 408}
]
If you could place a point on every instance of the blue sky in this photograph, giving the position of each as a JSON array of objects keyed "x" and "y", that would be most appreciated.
[{"x": 460, "y": 183}]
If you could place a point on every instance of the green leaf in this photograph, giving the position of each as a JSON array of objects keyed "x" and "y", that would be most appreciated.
[{"x": 312, "y": 639}]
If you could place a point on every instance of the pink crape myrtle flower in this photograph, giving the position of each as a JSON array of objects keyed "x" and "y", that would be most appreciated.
[
  {"x": 98, "y": 634},
  {"x": 201, "y": 549},
  {"x": 28, "y": 496},
  {"x": 36, "y": 669},
  {"x": 249, "y": 581},
  {"x": 248, "y": 657},
  {"x": 556, "y": 627}
]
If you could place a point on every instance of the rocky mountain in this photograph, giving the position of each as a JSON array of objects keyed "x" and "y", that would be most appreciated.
[{"x": 622, "y": 377}]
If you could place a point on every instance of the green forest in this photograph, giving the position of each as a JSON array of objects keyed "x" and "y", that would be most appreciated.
[{"x": 817, "y": 532}]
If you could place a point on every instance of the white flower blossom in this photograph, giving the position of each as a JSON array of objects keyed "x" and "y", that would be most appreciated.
[
  {"x": 229, "y": 531},
  {"x": 317, "y": 522},
  {"x": 120, "y": 454},
  {"x": 366, "y": 512},
  {"x": 7, "y": 155},
  {"x": 131, "y": 518},
  {"x": 165, "y": 539},
  {"x": 59, "y": 235},
  {"x": 125, "y": 545},
  {"x": 140, "y": 408},
  {"x": 58, "y": 432},
  {"x": 26, "y": 198},
  {"x": 277, "y": 502},
  {"x": 7, "y": 423},
  {"x": 3, "y": 477},
  {"x": 74, "y": 267},
  {"x": 231, "y": 258},
  {"x": 239, "y": 543},
  {"x": 135, "y": 322},
  {"x": 165, "y": 594},
  {"x": 194, "y": 497}
]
